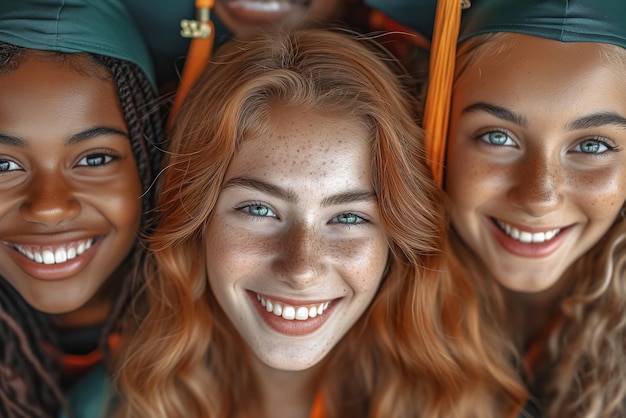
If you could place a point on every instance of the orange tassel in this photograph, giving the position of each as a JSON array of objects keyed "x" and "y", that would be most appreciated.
[
  {"x": 441, "y": 77},
  {"x": 202, "y": 31}
]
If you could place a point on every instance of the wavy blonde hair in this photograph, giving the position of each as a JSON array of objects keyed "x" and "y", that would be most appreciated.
[
  {"x": 420, "y": 349},
  {"x": 583, "y": 370}
]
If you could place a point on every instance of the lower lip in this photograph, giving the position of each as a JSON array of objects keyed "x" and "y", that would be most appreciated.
[
  {"x": 254, "y": 12},
  {"x": 54, "y": 272},
  {"x": 528, "y": 250},
  {"x": 293, "y": 328}
]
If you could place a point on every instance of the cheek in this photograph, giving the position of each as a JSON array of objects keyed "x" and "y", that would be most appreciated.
[
  {"x": 124, "y": 204},
  {"x": 600, "y": 193},
  {"x": 230, "y": 250},
  {"x": 472, "y": 181},
  {"x": 363, "y": 261}
]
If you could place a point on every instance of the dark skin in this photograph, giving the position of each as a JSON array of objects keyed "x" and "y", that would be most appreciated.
[{"x": 70, "y": 204}]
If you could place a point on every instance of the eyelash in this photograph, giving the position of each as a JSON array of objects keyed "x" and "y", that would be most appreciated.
[
  {"x": 244, "y": 208},
  {"x": 610, "y": 147},
  {"x": 480, "y": 137},
  {"x": 8, "y": 164},
  {"x": 109, "y": 157},
  {"x": 359, "y": 223}
]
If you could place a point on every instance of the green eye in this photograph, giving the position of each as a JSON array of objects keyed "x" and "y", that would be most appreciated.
[
  {"x": 592, "y": 146},
  {"x": 257, "y": 209},
  {"x": 348, "y": 218},
  {"x": 497, "y": 138}
]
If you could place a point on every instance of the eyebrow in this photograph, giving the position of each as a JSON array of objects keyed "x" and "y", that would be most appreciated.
[
  {"x": 497, "y": 111},
  {"x": 94, "y": 133},
  {"x": 593, "y": 120},
  {"x": 81, "y": 136},
  {"x": 291, "y": 197},
  {"x": 597, "y": 119},
  {"x": 12, "y": 140}
]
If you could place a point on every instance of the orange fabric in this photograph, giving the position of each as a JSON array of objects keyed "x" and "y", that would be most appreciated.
[
  {"x": 74, "y": 366},
  {"x": 536, "y": 350},
  {"x": 441, "y": 77},
  {"x": 200, "y": 50},
  {"x": 318, "y": 410},
  {"x": 380, "y": 21}
]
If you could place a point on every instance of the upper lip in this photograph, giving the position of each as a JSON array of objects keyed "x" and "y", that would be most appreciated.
[
  {"x": 49, "y": 240},
  {"x": 527, "y": 228},
  {"x": 293, "y": 302}
]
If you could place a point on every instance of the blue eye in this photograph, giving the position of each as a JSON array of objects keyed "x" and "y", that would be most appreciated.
[
  {"x": 348, "y": 218},
  {"x": 95, "y": 160},
  {"x": 497, "y": 138},
  {"x": 8, "y": 165},
  {"x": 593, "y": 146},
  {"x": 257, "y": 209}
]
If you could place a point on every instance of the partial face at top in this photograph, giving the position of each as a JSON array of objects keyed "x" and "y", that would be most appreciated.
[
  {"x": 536, "y": 165},
  {"x": 248, "y": 16},
  {"x": 295, "y": 248},
  {"x": 69, "y": 189}
]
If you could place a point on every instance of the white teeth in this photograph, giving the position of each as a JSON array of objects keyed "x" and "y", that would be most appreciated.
[
  {"x": 269, "y": 6},
  {"x": 300, "y": 313},
  {"x": 289, "y": 312},
  {"x": 528, "y": 237},
  {"x": 54, "y": 255},
  {"x": 48, "y": 257}
]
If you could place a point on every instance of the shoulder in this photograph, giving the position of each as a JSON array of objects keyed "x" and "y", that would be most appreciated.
[{"x": 92, "y": 395}]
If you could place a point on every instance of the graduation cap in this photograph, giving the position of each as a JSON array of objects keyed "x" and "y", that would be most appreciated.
[
  {"x": 602, "y": 21},
  {"x": 102, "y": 27}
]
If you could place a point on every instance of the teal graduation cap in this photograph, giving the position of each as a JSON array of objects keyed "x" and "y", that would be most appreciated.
[
  {"x": 602, "y": 21},
  {"x": 101, "y": 27}
]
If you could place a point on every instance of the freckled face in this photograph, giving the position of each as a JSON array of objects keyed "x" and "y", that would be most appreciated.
[
  {"x": 244, "y": 17},
  {"x": 295, "y": 250},
  {"x": 69, "y": 188},
  {"x": 536, "y": 168}
]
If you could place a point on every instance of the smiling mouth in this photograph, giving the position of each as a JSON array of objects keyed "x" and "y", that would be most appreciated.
[
  {"x": 267, "y": 5},
  {"x": 289, "y": 312},
  {"x": 527, "y": 237},
  {"x": 54, "y": 254}
]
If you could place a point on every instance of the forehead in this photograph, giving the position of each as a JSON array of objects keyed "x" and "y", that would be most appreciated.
[
  {"x": 298, "y": 141},
  {"x": 526, "y": 70},
  {"x": 63, "y": 93}
]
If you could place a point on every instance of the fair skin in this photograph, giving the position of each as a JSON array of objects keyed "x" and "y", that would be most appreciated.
[
  {"x": 535, "y": 167},
  {"x": 244, "y": 17},
  {"x": 297, "y": 227},
  {"x": 70, "y": 202}
]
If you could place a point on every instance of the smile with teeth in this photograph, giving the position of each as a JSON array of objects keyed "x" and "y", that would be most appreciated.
[
  {"x": 526, "y": 236},
  {"x": 54, "y": 255},
  {"x": 300, "y": 313}
]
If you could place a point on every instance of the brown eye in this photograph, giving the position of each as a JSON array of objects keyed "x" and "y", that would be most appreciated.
[
  {"x": 95, "y": 160},
  {"x": 8, "y": 165}
]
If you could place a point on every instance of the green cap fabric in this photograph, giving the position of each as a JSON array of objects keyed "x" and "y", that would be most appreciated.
[
  {"x": 101, "y": 27},
  {"x": 418, "y": 15},
  {"x": 602, "y": 21}
]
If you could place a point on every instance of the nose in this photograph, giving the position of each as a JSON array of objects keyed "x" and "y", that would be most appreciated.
[
  {"x": 300, "y": 260},
  {"x": 50, "y": 200},
  {"x": 537, "y": 185}
]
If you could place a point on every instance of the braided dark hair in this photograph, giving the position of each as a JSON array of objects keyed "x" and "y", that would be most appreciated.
[{"x": 29, "y": 376}]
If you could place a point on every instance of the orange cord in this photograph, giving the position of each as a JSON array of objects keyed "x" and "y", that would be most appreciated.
[
  {"x": 198, "y": 56},
  {"x": 441, "y": 77}
]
